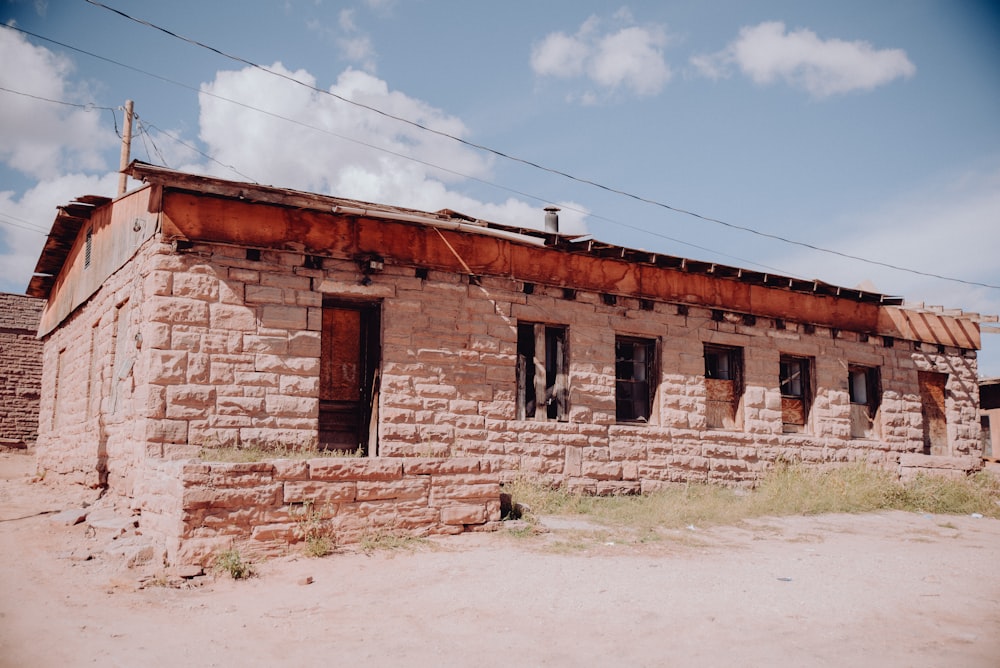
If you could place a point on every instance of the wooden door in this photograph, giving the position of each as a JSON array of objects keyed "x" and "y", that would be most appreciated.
[{"x": 349, "y": 364}]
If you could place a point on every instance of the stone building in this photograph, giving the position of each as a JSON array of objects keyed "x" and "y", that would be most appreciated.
[
  {"x": 20, "y": 370},
  {"x": 196, "y": 311}
]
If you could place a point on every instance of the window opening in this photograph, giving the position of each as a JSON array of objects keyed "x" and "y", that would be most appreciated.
[
  {"x": 542, "y": 372},
  {"x": 793, "y": 378},
  {"x": 635, "y": 371},
  {"x": 723, "y": 386},
  {"x": 932, "y": 408},
  {"x": 865, "y": 395},
  {"x": 89, "y": 246}
]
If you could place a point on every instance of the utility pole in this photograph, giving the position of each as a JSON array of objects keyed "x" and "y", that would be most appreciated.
[{"x": 126, "y": 149}]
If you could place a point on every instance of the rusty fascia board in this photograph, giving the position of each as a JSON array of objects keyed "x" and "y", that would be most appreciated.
[{"x": 298, "y": 199}]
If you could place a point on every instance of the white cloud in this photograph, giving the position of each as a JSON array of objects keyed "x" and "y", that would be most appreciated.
[
  {"x": 767, "y": 53},
  {"x": 274, "y": 151},
  {"x": 39, "y": 138},
  {"x": 33, "y": 212},
  {"x": 629, "y": 58},
  {"x": 354, "y": 45},
  {"x": 950, "y": 228}
]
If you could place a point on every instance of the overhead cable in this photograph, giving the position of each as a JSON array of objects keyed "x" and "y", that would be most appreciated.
[{"x": 551, "y": 170}]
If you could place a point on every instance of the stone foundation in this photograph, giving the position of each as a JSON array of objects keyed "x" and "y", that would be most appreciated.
[{"x": 197, "y": 509}]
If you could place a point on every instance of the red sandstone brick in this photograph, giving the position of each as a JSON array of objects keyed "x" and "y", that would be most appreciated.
[
  {"x": 450, "y": 466},
  {"x": 407, "y": 489},
  {"x": 355, "y": 469},
  {"x": 319, "y": 492},
  {"x": 464, "y": 514}
]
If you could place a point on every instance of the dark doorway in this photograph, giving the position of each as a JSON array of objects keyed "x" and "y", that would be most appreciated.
[
  {"x": 349, "y": 376},
  {"x": 932, "y": 406}
]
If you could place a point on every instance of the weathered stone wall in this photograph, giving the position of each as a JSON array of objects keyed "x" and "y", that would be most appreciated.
[
  {"x": 90, "y": 426},
  {"x": 200, "y": 508},
  {"x": 449, "y": 387},
  {"x": 20, "y": 370},
  {"x": 218, "y": 346}
]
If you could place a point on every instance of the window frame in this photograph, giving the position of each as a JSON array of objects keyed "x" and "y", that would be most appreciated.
[
  {"x": 542, "y": 370},
  {"x": 796, "y": 399},
  {"x": 725, "y": 413},
  {"x": 638, "y": 394},
  {"x": 864, "y": 416}
]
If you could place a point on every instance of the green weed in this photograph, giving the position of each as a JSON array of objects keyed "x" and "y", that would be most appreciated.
[{"x": 231, "y": 561}]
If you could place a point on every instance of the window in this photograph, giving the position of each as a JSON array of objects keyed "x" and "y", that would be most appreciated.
[
  {"x": 635, "y": 369},
  {"x": 723, "y": 386},
  {"x": 542, "y": 372},
  {"x": 863, "y": 387},
  {"x": 864, "y": 391},
  {"x": 793, "y": 378}
]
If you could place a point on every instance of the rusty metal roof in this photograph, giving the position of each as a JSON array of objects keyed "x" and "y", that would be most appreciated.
[
  {"x": 566, "y": 243},
  {"x": 67, "y": 225}
]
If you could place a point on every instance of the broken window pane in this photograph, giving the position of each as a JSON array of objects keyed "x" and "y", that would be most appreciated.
[
  {"x": 723, "y": 386},
  {"x": 542, "y": 372},
  {"x": 634, "y": 369}
]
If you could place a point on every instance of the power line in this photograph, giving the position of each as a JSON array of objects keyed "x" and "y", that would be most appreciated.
[
  {"x": 359, "y": 142},
  {"x": 475, "y": 146},
  {"x": 551, "y": 170},
  {"x": 189, "y": 146},
  {"x": 24, "y": 227}
]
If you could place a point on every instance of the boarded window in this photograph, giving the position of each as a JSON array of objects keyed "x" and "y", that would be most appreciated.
[
  {"x": 932, "y": 409},
  {"x": 542, "y": 372},
  {"x": 793, "y": 380},
  {"x": 635, "y": 378},
  {"x": 865, "y": 394},
  {"x": 723, "y": 386}
]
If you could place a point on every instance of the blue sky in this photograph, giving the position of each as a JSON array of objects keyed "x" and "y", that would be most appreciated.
[{"x": 868, "y": 128}]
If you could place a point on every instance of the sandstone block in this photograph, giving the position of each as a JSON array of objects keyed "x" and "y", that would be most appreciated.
[
  {"x": 178, "y": 310},
  {"x": 283, "y": 317},
  {"x": 464, "y": 514},
  {"x": 304, "y": 366},
  {"x": 196, "y": 286},
  {"x": 230, "y": 317},
  {"x": 319, "y": 492},
  {"x": 447, "y": 466},
  {"x": 407, "y": 489},
  {"x": 291, "y": 469},
  {"x": 167, "y": 367},
  {"x": 355, "y": 469}
]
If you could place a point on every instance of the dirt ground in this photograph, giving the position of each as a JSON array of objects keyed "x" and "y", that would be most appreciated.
[{"x": 887, "y": 589}]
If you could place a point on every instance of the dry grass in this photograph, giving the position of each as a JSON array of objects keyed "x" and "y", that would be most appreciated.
[
  {"x": 257, "y": 454},
  {"x": 786, "y": 490}
]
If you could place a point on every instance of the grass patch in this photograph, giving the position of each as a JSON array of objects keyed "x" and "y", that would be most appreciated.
[
  {"x": 786, "y": 490},
  {"x": 379, "y": 538},
  {"x": 231, "y": 561},
  {"x": 313, "y": 527},
  {"x": 247, "y": 454}
]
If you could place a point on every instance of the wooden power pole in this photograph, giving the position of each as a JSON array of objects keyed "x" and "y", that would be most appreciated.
[{"x": 126, "y": 149}]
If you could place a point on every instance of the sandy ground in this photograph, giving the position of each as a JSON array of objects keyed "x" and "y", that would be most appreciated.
[{"x": 888, "y": 589}]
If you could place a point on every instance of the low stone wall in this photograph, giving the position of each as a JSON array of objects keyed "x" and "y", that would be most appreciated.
[
  {"x": 200, "y": 508},
  {"x": 913, "y": 464}
]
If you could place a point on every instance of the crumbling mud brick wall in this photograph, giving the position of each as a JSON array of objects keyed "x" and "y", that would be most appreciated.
[
  {"x": 20, "y": 370},
  {"x": 197, "y": 509}
]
